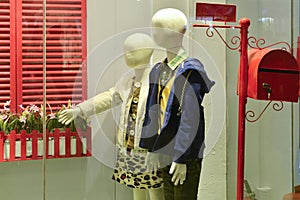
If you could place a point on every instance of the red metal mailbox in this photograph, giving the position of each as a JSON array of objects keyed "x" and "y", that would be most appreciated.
[
  {"x": 272, "y": 75},
  {"x": 298, "y": 59}
]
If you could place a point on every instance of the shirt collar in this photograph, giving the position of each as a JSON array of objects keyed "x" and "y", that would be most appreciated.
[{"x": 180, "y": 57}]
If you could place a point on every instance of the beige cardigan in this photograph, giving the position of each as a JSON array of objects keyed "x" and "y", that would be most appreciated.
[{"x": 119, "y": 95}]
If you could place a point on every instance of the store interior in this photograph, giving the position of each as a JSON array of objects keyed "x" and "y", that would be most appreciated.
[{"x": 89, "y": 36}]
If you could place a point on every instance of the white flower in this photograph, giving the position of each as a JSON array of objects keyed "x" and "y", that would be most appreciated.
[
  {"x": 3, "y": 117},
  {"x": 34, "y": 108},
  {"x": 7, "y": 104},
  {"x": 21, "y": 107},
  {"x": 22, "y": 119},
  {"x": 52, "y": 115}
]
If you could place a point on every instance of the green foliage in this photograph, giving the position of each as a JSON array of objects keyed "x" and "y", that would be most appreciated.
[
  {"x": 31, "y": 118},
  {"x": 249, "y": 191}
]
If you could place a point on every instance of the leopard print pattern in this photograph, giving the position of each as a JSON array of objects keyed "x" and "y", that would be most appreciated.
[{"x": 131, "y": 171}]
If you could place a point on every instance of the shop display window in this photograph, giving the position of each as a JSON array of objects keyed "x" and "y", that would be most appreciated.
[{"x": 58, "y": 54}]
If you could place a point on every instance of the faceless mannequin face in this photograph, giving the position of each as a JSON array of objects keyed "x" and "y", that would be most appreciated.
[
  {"x": 169, "y": 26},
  {"x": 138, "y": 49}
]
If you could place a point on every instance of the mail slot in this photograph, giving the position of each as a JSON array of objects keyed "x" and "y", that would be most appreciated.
[{"x": 272, "y": 75}]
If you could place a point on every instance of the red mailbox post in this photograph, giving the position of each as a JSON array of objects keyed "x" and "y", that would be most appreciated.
[
  {"x": 298, "y": 59},
  {"x": 272, "y": 75},
  {"x": 243, "y": 76}
]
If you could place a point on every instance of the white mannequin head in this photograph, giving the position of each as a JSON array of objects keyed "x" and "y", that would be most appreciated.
[
  {"x": 169, "y": 26},
  {"x": 138, "y": 49}
]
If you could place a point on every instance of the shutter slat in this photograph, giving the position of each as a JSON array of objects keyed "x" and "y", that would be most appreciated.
[
  {"x": 54, "y": 12},
  {"x": 65, "y": 24},
  {"x": 54, "y": 79},
  {"x": 4, "y": 17},
  {"x": 52, "y": 66},
  {"x": 54, "y": 104},
  {"x": 51, "y": 73},
  {"x": 50, "y": 54},
  {"x": 37, "y": 6},
  {"x": 52, "y": 85},
  {"x": 5, "y": 23},
  {"x": 53, "y": 90},
  {"x": 50, "y": 42},
  {"x": 32, "y": 97},
  {"x": 5, "y": 81},
  {"x": 4, "y": 43},
  {"x": 39, "y": 30},
  {"x": 4, "y": 35},
  {"x": 58, "y": 18},
  {"x": 4, "y": 98},
  {"x": 51, "y": 48}
]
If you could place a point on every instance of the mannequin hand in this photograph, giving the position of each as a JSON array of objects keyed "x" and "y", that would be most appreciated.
[
  {"x": 68, "y": 115},
  {"x": 123, "y": 151},
  {"x": 179, "y": 173},
  {"x": 152, "y": 162}
]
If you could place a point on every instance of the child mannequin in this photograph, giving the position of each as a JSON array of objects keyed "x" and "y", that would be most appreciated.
[
  {"x": 131, "y": 93},
  {"x": 177, "y": 85}
]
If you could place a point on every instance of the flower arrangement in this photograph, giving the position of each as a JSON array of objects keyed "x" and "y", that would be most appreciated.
[{"x": 31, "y": 118}]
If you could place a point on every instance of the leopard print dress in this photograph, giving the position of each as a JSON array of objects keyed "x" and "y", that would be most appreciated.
[{"x": 130, "y": 168}]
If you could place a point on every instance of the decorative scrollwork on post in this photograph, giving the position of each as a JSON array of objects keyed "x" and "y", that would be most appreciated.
[
  {"x": 235, "y": 41},
  {"x": 250, "y": 115},
  {"x": 278, "y": 106},
  {"x": 255, "y": 43}
]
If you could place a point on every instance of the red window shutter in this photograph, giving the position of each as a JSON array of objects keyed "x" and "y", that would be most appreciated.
[
  {"x": 7, "y": 52},
  {"x": 65, "y": 52}
]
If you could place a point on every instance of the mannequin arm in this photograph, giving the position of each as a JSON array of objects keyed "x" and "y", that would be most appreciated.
[
  {"x": 190, "y": 134},
  {"x": 179, "y": 173},
  {"x": 97, "y": 104},
  {"x": 101, "y": 102}
]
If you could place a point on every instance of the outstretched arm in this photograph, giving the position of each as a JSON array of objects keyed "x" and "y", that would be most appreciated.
[{"x": 97, "y": 104}]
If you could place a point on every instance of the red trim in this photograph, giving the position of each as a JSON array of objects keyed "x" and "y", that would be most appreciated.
[
  {"x": 68, "y": 143},
  {"x": 243, "y": 84},
  {"x": 56, "y": 144},
  {"x": 13, "y": 54},
  {"x": 2, "y": 146},
  {"x": 19, "y": 68},
  {"x": 34, "y": 145},
  {"x": 12, "y": 142},
  {"x": 25, "y": 138},
  {"x": 23, "y": 145},
  {"x": 84, "y": 49},
  {"x": 298, "y": 60}
]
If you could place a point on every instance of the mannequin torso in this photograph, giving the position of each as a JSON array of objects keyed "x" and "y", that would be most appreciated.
[
  {"x": 181, "y": 133},
  {"x": 138, "y": 49}
]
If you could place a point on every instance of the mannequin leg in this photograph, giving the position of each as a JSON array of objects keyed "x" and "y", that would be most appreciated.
[
  {"x": 157, "y": 194},
  {"x": 139, "y": 194}
]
